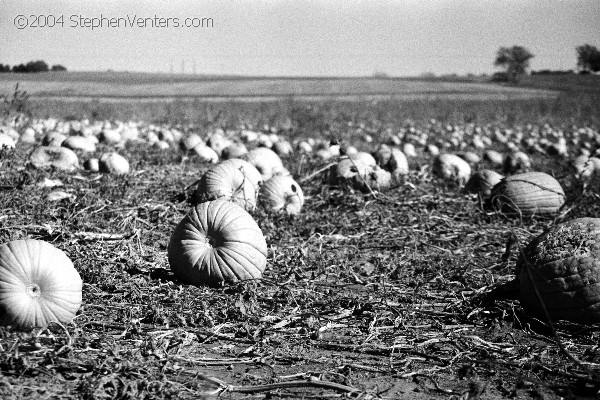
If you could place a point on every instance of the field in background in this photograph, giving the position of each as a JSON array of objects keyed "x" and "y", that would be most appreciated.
[{"x": 139, "y": 86}]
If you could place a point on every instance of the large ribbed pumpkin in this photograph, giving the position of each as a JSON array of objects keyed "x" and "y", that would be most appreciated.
[
  {"x": 563, "y": 264},
  {"x": 528, "y": 194},
  {"x": 38, "y": 285},
  {"x": 226, "y": 181},
  {"x": 216, "y": 243},
  {"x": 282, "y": 193}
]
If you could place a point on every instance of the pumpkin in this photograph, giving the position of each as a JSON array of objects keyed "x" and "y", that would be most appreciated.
[
  {"x": 206, "y": 154},
  {"x": 376, "y": 179},
  {"x": 217, "y": 141},
  {"x": 363, "y": 157},
  {"x": 110, "y": 136},
  {"x": 189, "y": 142},
  {"x": 482, "y": 182},
  {"x": 60, "y": 158},
  {"x": 586, "y": 168},
  {"x": 528, "y": 194},
  {"x": 38, "y": 284},
  {"x": 358, "y": 175},
  {"x": 347, "y": 171},
  {"x": 234, "y": 150},
  {"x": 516, "y": 162},
  {"x": 493, "y": 157},
  {"x": 113, "y": 163},
  {"x": 391, "y": 159},
  {"x": 226, "y": 181},
  {"x": 53, "y": 139},
  {"x": 409, "y": 150},
  {"x": 282, "y": 193},
  {"x": 282, "y": 148},
  {"x": 451, "y": 166},
  {"x": 470, "y": 157},
  {"x": 7, "y": 141},
  {"x": 217, "y": 242},
  {"x": 161, "y": 144},
  {"x": 347, "y": 149},
  {"x": 266, "y": 161},
  {"x": 563, "y": 264},
  {"x": 79, "y": 143},
  {"x": 92, "y": 165},
  {"x": 249, "y": 170},
  {"x": 28, "y": 136},
  {"x": 433, "y": 149}
]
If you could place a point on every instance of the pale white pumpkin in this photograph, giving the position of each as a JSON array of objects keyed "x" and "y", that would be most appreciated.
[
  {"x": 266, "y": 161},
  {"x": 81, "y": 143},
  {"x": 60, "y": 158},
  {"x": 113, "y": 163},
  {"x": 217, "y": 242},
  {"x": 282, "y": 193},
  {"x": 226, "y": 181},
  {"x": 38, "y": 285},
  {"x": 206, "y": 154}
]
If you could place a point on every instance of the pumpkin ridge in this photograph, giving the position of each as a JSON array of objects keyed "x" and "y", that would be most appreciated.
[
  {"x": 243, "y": 257},
  {"x": 254, "y": 246},
  {"x": 234, "y": 271},
  {"x": 21, "y": 271}
]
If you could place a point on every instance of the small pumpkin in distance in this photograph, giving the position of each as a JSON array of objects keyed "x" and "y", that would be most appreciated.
[
  {"x": 113, "y": 163},
  {"x": 563, "y": 264},
  {"x": 217, "y": 242},
  {"x": 482, "y": 182},
  {"x": 38, "y": 285},
  {"x": 282, "y": 193},
  {"x": 60, "y": 158},
  {"x": 266, "y": 161},
  {"x": 451, "y": 167}
]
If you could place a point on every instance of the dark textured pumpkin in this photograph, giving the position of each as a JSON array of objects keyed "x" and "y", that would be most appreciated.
[
  {"x": 216, "y": 243},
  {"x": 563, "y": 264},
  {"x": 528, "y": 194}
]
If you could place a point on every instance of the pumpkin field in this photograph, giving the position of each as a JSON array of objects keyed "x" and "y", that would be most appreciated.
[{"x": 366, "y": 249}]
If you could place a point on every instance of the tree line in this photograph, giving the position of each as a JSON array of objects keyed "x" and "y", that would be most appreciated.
[
  {"x": 515, "y": 61},
  {"x": 31, "y": 66}
]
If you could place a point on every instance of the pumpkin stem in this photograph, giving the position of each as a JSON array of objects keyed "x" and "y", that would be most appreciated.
[{"x": 33, "y": 290}]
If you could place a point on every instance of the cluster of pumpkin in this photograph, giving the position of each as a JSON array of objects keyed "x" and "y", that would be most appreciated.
[{"x": 219, "y": 241}]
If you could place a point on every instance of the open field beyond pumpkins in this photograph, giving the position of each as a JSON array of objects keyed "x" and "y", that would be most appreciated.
[{"x": 376, "y": 293}]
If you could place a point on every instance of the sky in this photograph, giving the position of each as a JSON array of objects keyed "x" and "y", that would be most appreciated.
[{"x": 296, "y": 37}]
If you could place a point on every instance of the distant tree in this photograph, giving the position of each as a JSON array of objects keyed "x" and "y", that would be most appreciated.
[
  {"x": 514, "y": 60},
  {"x": 32, "y": 66},
  {"x": 19, "y": 68},
  {"x": 4, "y": 68},
  {"x": 588, "y": 58},
  {"x": 58, "y": 67},
  {"x": 37, "y": 66}
]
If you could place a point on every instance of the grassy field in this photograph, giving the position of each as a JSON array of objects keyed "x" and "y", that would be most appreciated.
[
  {"x": 365, "y": 295},
  {"x": 152, "y": 87}
]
